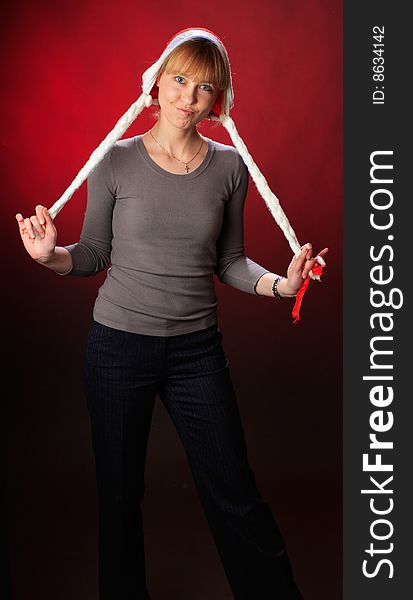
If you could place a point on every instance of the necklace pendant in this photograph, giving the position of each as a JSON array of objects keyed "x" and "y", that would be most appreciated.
[{"x": 187, "y": 168}]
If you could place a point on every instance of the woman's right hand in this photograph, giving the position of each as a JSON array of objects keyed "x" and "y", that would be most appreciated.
[{"x": 38, "y": 234}]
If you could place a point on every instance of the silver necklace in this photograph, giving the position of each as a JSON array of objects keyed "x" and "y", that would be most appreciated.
[{"x": 184, "y": 162}]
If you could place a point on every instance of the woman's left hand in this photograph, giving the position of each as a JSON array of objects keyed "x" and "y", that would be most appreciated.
[{"x": 299, "y": 268}]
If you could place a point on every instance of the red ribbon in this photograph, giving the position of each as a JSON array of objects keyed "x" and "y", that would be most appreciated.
[{"x": 317, "y": 270}]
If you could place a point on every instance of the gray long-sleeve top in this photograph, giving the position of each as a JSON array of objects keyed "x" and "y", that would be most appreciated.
[{"x": 164, "y": 235}]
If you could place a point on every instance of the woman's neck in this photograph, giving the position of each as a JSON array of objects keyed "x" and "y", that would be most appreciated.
[{"x": 176, "y": 141}]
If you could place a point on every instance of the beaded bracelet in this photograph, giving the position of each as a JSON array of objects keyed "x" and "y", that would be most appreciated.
[{"x": 274, "y": 287}]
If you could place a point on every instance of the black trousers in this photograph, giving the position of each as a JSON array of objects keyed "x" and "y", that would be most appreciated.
[{"x": 123, "y": 372}]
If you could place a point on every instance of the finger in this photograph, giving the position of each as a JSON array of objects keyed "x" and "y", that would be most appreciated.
[
  {"x": 308, "y": 250},
  {"x": 38, "y": 229},
  {"x": 22, "y": 227},
  {"x": 307, "y": 262},
  {"x": 40, "y": 214},
  {"x": 301, "y": 258},
  {"x": 29, "y": 228},
  {"x": 320, "y": 261},
  {"x": 20, "y": 221},
  {"x": 323, "y": 252},
  {"x": 49, "y": 225},
  {"x": 319, "y": 257},
  {"x": 307, "y": 268},
  {"x": 47, "y": 217}
]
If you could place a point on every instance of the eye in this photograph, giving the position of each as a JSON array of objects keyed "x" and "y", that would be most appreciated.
[
  {"x": 179, "y": 79},
  {"x": 206, "y": 87}
]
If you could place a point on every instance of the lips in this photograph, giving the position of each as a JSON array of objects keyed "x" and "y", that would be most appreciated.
[{"x": 185, "y": 111}]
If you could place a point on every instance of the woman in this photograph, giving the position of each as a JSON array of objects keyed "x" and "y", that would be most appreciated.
[{"x": 166, "y": 209}]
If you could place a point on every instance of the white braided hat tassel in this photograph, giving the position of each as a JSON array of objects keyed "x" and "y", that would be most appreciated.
[
  {"x": 97, "y": 155},
  {"x": 270, "y": 199}
]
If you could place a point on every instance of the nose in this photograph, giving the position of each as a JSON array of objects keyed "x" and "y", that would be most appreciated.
[{"x": 189, "y": 94}]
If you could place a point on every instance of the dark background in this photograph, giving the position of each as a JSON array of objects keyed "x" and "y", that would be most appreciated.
[{"x": 71, "y": 70}]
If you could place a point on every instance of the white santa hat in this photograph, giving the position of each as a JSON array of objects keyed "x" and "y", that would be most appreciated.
[{"x": 220, "y": 111}]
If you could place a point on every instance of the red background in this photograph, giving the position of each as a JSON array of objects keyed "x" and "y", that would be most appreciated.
[{"x": 71, "y": 70}]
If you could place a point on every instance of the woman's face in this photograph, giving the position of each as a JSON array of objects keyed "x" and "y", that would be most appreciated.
[{"x": 184, "y": 102}]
